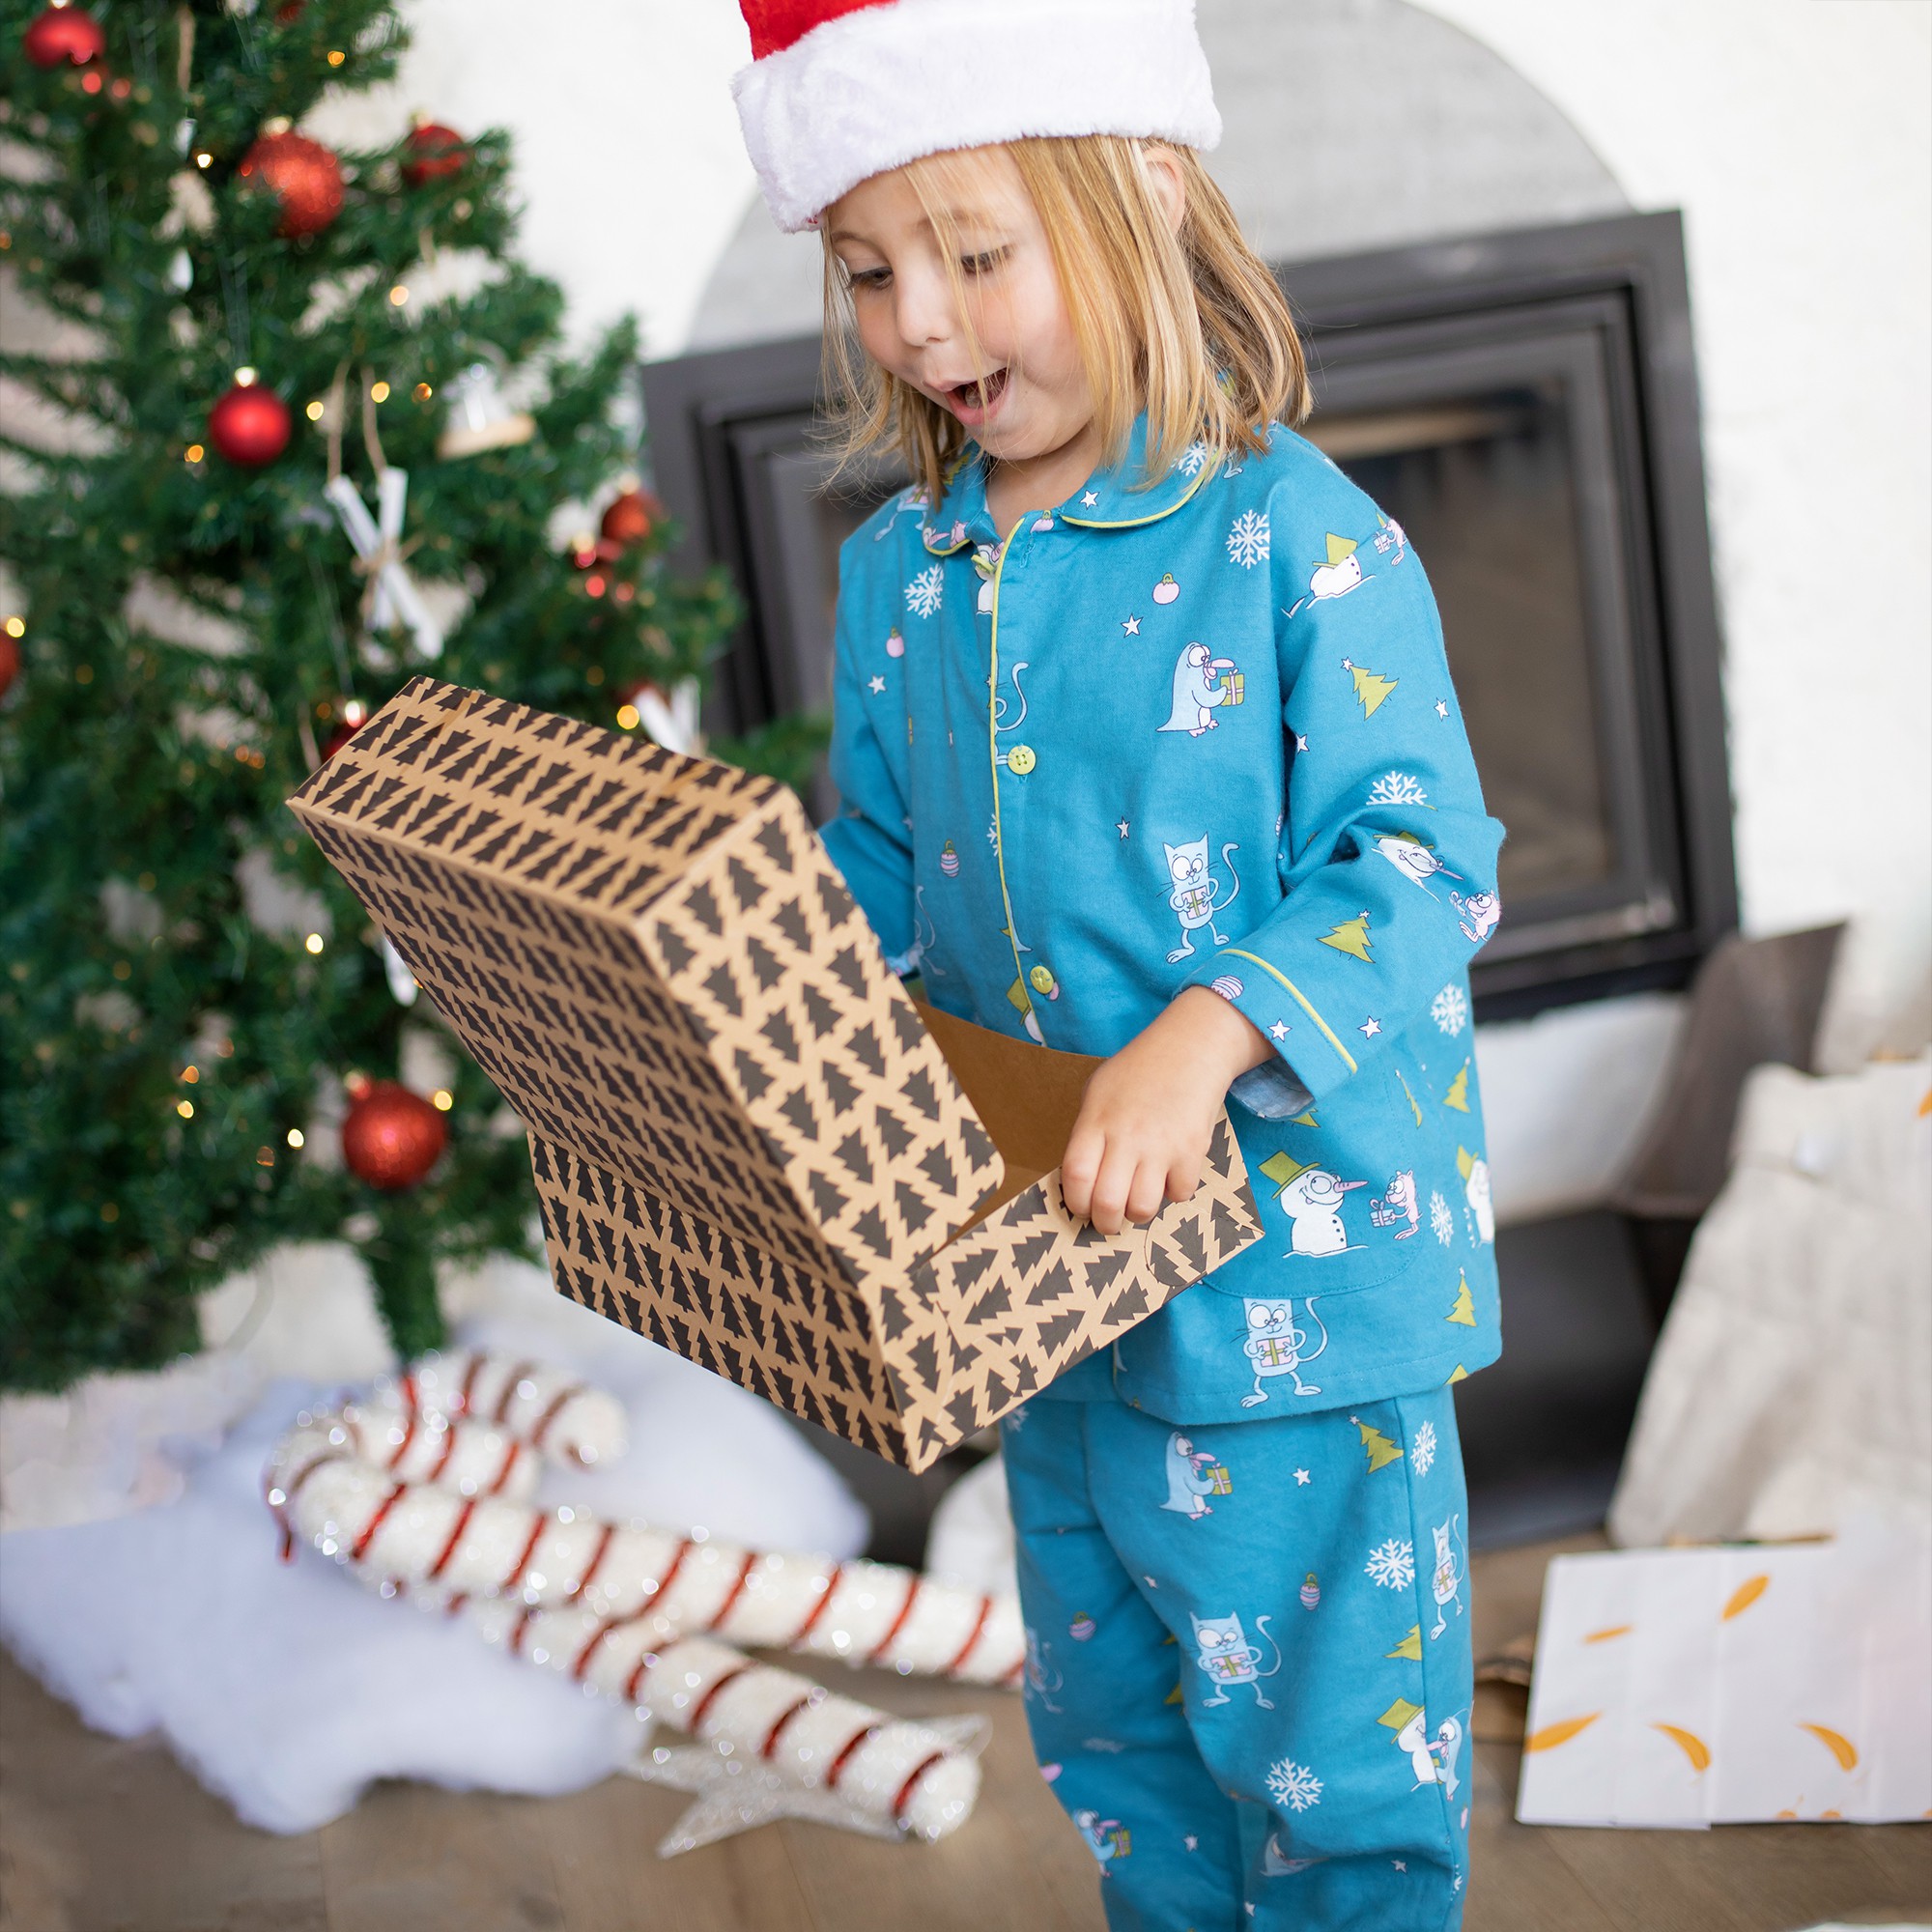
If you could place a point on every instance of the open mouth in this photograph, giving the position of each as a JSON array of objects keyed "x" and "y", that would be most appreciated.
[{"x": 976, "y": 399}]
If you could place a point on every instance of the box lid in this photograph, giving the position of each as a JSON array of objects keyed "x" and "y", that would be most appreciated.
[{"x": 654, "y": 959}]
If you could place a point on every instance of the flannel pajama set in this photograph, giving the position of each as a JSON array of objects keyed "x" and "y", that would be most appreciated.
[{"x": 1203, "y": 733}]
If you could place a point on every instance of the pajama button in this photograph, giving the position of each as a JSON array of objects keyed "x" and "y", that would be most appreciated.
[{"x": 1020, "y": 760}]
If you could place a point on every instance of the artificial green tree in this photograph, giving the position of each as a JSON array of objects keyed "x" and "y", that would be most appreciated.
[{"x": 187, "y": 985}]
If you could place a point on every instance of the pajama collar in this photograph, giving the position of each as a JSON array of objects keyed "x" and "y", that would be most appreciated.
[{"x": 1109, "y": 500}]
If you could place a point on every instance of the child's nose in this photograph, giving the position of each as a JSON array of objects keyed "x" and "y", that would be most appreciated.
[{"x": 924, "y": 310}]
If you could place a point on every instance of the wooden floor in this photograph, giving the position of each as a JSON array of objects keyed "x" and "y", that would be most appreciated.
[{"x": 102, "y": 1836}]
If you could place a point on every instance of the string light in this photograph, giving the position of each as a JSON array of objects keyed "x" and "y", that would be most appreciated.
[
  {"x": 294, "y": 1137},
  {"x": 204, "y": 160},
  {"x": 314, "y": 942},
  {"x": 336, "y": 56},
  {"x": 379, "y": 392},
  {"x": 190, "y": 1074},
  {"x": 628, "y": 717},
  {"x": 14, "y": 627},
  {"x": 444, "y": 1099},
  {"x": 185, "y": 1109},
  {"x": 314, "y": 412},
  {"x": 422, "y": 392},
  {"x": 399, "y": 295},
  {"x": 194, "y": 453}
]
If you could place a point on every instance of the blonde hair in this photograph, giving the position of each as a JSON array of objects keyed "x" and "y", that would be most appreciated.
[{"x": 1188, "y": 326}]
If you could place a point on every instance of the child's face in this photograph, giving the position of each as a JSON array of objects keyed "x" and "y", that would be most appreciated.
[{"x": 1005, "y": 361}]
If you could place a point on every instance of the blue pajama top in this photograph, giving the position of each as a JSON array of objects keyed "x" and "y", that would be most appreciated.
[{"x": 1202, "y": 734}]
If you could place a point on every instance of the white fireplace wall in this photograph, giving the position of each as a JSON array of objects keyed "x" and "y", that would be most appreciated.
[{"x": 1794, "y": 135}]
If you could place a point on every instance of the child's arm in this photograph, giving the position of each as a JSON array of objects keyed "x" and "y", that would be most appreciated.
[
  {"x": 1385, "y": 845},
  {"x": 868, "y": 840}
]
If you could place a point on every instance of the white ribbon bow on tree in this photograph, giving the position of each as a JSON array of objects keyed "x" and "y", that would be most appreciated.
[{"x": 390, "y": 593}]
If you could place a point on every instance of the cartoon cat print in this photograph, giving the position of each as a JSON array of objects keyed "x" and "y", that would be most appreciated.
[
  {"x": 1222, "y": 1650},
  {"x": 1277, "y": 1347},
  {"x": 1194, "y": 892}
]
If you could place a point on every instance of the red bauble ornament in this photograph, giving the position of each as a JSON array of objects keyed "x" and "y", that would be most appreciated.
[
  {"x": 305, "y": 177},
  {"x": 10, "y": 662},
  {"x": 434, "y": 151},
  {"x": 631, "y": 517},
  {"x": 62, "y": 34},
  {"x": 391, "y": 1137},
  {"x": 250, "y": 425}
]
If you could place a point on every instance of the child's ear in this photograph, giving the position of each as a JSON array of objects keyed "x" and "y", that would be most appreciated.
[{"x": 1164, "y": 178}]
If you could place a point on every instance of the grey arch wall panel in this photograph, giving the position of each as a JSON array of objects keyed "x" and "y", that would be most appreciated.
[{"x": 1351, "y": 125}]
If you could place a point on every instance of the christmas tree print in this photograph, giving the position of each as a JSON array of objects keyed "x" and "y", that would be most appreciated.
[
  {"x": 1372, "y": 689},
  {"x": 1381, "y": 1451},
  {"x": 1410, "y": 1647},
  {"x": 1458, "y": 1373},
  {"x": 1465, "y": 1310},
  {"x": 1458, "y": 1095},
  {"x": 1351, "y": 937}
]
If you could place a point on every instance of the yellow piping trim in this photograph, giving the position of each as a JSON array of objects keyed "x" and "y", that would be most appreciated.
[
  {"x": 993, "y": 754},
  {"x": 1201, "y": 476},
  {"x": 1327, "y": 1032}
]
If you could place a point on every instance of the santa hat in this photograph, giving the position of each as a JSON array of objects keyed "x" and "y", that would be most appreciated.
[{"x": 841, "y": 90}]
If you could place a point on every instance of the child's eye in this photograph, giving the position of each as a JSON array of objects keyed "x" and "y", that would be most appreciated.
[
  {"x": 983, "y": 263},
  {"x": 867, "y": 278}
]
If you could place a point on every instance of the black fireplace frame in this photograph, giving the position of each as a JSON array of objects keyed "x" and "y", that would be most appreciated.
[{"x": 717, "y": 419}]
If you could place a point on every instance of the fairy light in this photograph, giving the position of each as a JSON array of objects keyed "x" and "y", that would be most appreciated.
[
  {"x": 194, "y": 453},
  {"x": 314, "y": 942},
  {"x": 294, "y": 1137},
  {"x": 422, "y": 392},
  {"x": 185, "y": 1109},
  {"x": 203, "y": 158},
  {"x": 399, "y": 295},
  {"x": 245, "y": 378},
  {"x": 628, "y": 717},
  {"x": 336, "y": 56},
  {"x": 443, "y": 1099},
  {"x": 190, "y": 1075},
  {"x": 314, "y": 410},
  {"x": 379, "y": 392},
  {"x": 14, "y": 627},
  {"x": 355, "y": 714}
]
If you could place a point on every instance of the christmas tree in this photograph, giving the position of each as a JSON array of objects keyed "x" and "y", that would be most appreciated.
[
  {"x": 1371, "y": 689},
  {"x": 306, "y": 428},
  {"x": 1381, "y": 1451},
  {"x": 1458, "y": 1095},
  {"x": 1465, "y": 1308},
  {"x": 1351, "y": 937},
  {"x": 1410, "y": 1647}
]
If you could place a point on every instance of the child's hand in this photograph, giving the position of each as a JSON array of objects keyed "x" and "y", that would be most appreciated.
[{"x": 1143, "y": 1127}]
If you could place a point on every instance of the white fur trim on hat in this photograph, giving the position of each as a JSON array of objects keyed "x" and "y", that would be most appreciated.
[{"x": 876, "y": 88}]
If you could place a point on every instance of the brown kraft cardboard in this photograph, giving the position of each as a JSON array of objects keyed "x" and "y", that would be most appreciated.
[{"x": 749, "y": 1143}]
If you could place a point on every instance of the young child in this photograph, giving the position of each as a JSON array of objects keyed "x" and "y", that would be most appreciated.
[{"x": 1148, "y": 749}]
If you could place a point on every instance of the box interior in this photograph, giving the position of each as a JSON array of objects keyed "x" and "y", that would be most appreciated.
[{"x": 1026, "y": 1097}]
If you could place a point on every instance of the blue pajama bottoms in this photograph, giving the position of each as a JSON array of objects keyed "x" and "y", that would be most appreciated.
[{"x": 1248, "y": 1660}]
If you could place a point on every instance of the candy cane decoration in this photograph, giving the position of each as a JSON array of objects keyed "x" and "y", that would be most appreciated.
[
  {"x": 896, "y": 1775},
  {"x": 556, "y": 1414},
  {"x": 627, "y": 1578}
]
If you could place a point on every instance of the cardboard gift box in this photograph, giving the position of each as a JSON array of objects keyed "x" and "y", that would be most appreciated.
[{"x": 749, "y": 1143}]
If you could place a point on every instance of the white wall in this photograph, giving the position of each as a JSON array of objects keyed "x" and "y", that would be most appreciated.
[{"x": 1797, "y": 136}]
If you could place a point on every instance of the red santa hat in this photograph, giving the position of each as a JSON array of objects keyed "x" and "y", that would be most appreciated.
[{"x": 841, "y": 90}]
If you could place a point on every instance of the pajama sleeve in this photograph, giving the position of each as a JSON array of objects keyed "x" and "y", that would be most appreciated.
[
  {"x": 1386, "y": 856},
  {"x": 869, "y": 839}
]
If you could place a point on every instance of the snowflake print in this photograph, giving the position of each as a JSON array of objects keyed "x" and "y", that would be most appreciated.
[
  {"x": 923, "y": 592},
  {"x": 1442, "y": 1222},
  {"x": 1397, "y": 788},
  {"x": 1422, "y": 1451},
  {"x": 1248, "y": 539},
  {"x": 1391, "y": 1564},
  {"x": 1192, "y": 458},
  {"x": 1294, "y": 1785},
  {"x": 1450, "y": 1009}
]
